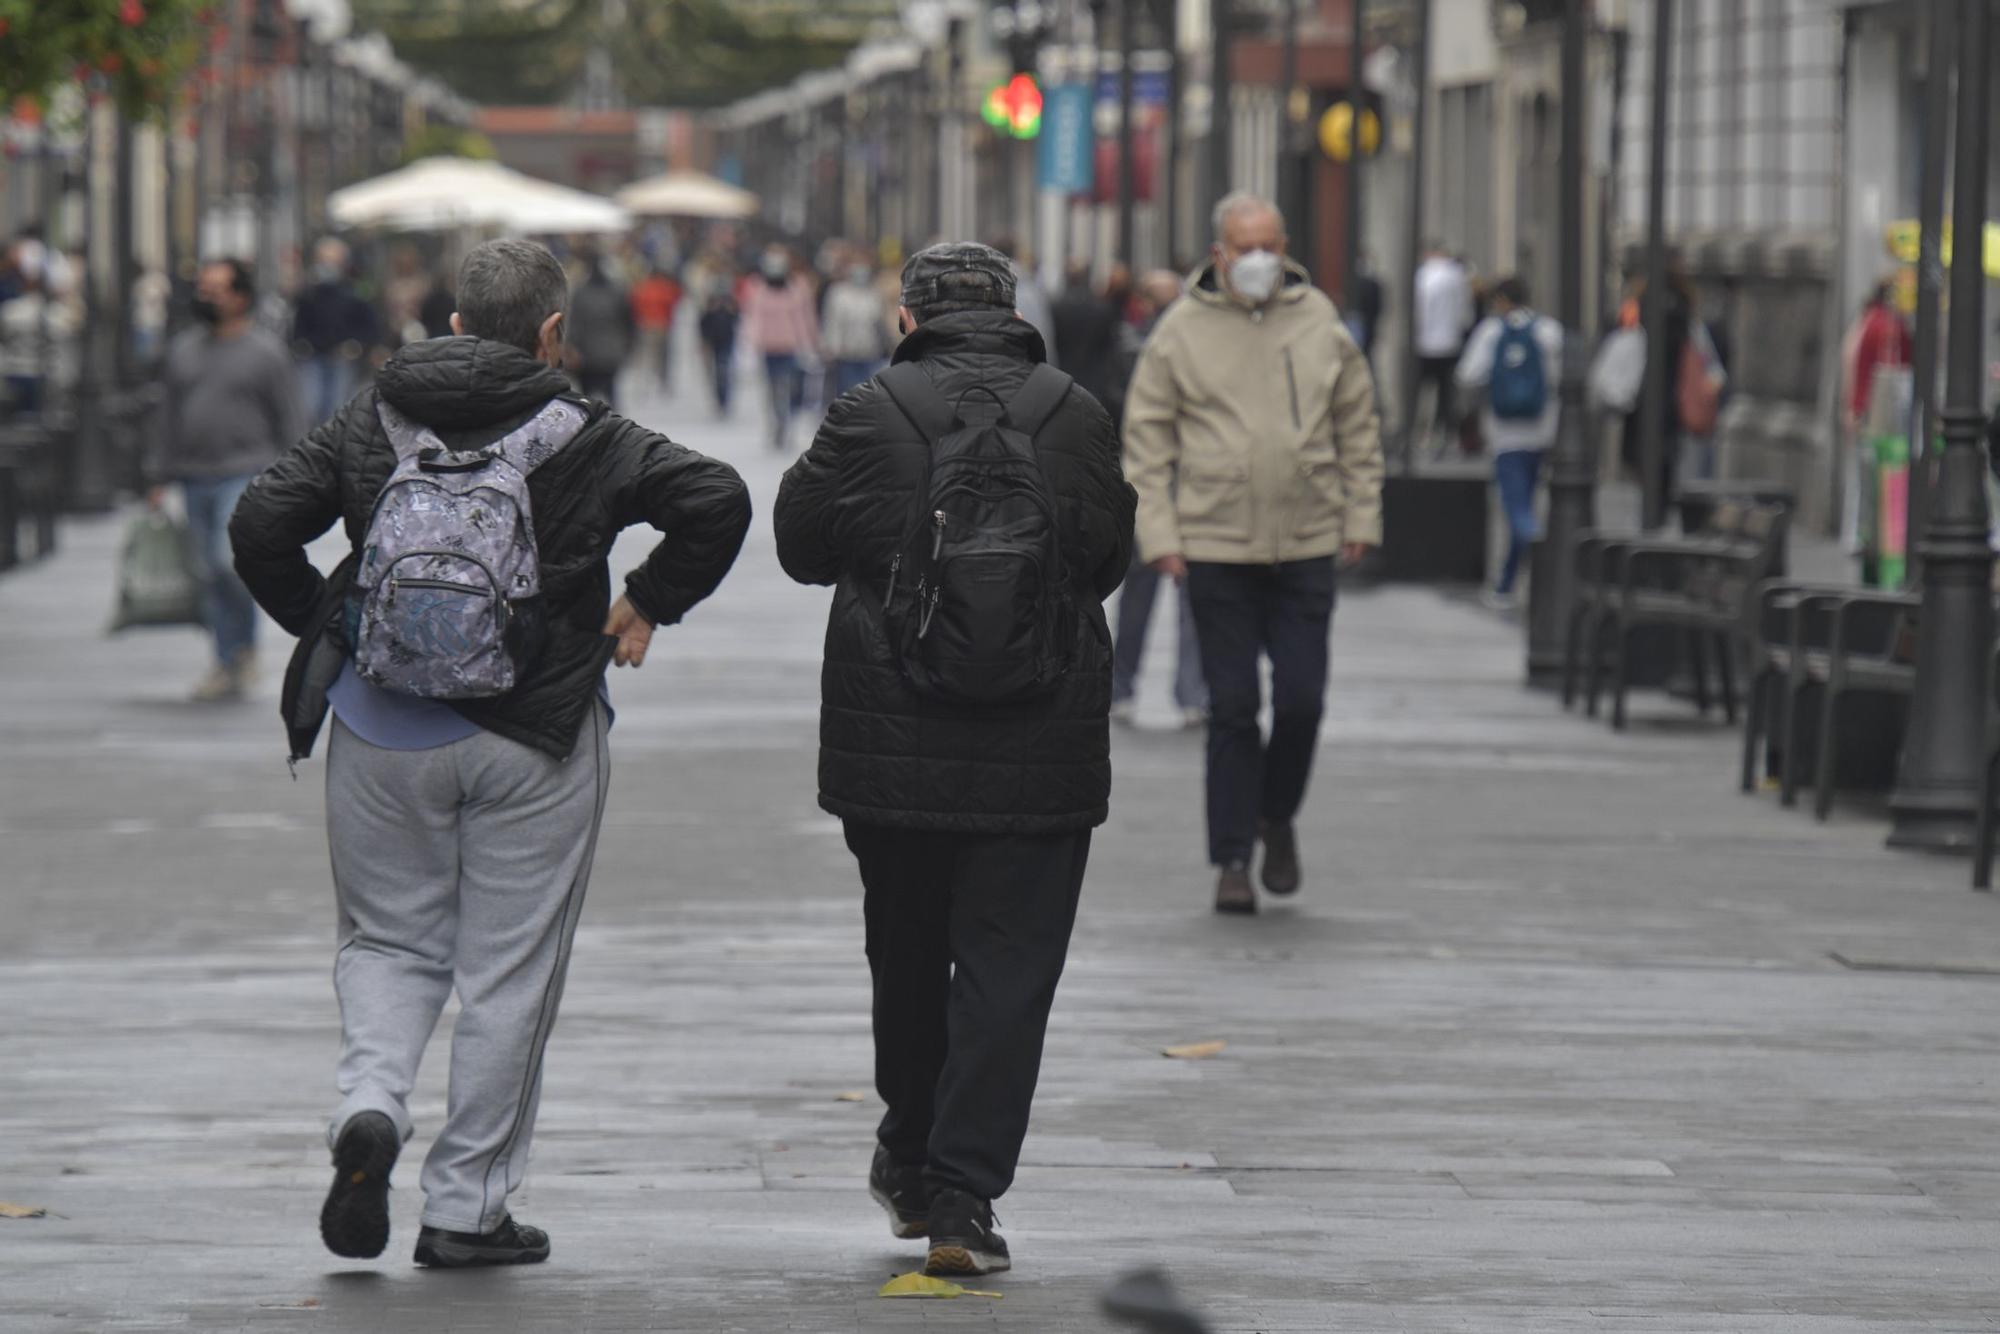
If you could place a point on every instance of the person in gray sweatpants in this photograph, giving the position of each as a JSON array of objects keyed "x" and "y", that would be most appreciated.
[
  {"x": 410, "y": 829},
  {"x": 462, "y": 821}
]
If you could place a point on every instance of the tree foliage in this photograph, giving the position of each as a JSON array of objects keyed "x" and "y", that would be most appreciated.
[
  {"x": 440, "y": 140},
  {"x": 135, "y": 52},
  {"x": 664, "y": 52}
]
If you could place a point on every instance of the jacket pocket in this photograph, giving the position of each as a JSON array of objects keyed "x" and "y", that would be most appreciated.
[
  {"x": 1322, "y": 499},
  {"x": 1214, "y": 500}
]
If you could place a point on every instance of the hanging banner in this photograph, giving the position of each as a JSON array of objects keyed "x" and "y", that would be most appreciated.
[
  {"x": 1064, "y": 158},
  {"x": 1149, "y": 114}
]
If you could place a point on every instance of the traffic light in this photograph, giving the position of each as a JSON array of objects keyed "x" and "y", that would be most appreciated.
[
  {"x": 1337, "y": 131},
  {"x": 1014, "y": 108}
]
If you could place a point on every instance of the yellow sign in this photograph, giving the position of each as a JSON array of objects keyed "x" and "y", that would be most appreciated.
[
  {"x": 1904, "y": 240},
  {"x": 1336, "y": 132}
]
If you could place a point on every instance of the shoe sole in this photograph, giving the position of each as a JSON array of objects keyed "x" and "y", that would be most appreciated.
[
  {"x": 449, "y": 1255},
  {"x": 354, "y": 1221},
  {"x": 955, "y": 1259},
  {"x": 1282, "y": 888},
  {"x": 1237, "y": 909},
  {"x": 905, "y": 1227}
]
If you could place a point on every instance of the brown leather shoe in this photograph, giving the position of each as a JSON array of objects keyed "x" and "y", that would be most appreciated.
[
  {"x": 1281, "y": 859},
  {"x": 1233, "y": 891}
]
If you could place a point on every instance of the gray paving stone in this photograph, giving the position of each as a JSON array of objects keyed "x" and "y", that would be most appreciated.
[{"x": 1556, "y": 1039}]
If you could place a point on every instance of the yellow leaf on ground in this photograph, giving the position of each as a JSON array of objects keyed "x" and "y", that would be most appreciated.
[
  {"x": 850, "y": 1095},
  {"x": 1194, "y": 1051},
  {"x": 923, "y": 1285},
  {"x": 22, "y": 1210}
]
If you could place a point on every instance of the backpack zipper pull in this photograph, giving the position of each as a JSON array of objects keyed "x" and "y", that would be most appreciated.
[
  {"x": 930, "y": 610},
  {"x": 895, "y": 568},
  {"x": 390, "y": 601},
  {"x": 937, "y": 533}
]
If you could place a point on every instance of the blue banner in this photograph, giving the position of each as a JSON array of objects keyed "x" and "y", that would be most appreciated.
[
  {"x": 1066, "y": 157},
  {"x": 1149, "y": 87}
]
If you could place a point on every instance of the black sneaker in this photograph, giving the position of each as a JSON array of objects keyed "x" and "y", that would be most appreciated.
[
  {"x": 962, "y": 1237},
  {"x": 901, "y": 1191},
  {"x": 1281, "y": 858},
  {"x": 354, "y": 1221},
  {"x": 1233, "y": 891},
  {"x": 509, "y": 1244}
]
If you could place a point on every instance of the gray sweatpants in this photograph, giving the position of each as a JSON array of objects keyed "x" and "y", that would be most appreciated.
[{"x": 459, "y": 867}]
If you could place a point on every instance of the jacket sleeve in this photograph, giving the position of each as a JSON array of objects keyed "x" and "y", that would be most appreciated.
[
  {"x": 285, "y": 507},
  {"x": 808, "y": 497},
  {"x": 698, "y": 503},
  {"x": 1116, "y": 498},
  {"x": 1475, "y": 368},
  {"x": 1357, "y": 441},
  {"x": 1153, "y": 449},
  {"x": 281, "y": 390}
]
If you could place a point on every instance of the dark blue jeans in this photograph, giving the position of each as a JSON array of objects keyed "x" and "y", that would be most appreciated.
[
  {"x": 853, "y": 374},
  {"x": 1135, "y": 612},
  {"x": 1514, "y": 475},
  {"x": 326, "y": 382},
  {"x": 782, "y": 377},
  {"x": 226, "y": 605},
  {"x": 1243, "y": 614},
  {"x": 721, "y": 362}
]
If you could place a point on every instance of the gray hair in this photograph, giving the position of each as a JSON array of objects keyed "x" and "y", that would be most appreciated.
[
  {"x": 507, "y": 289},
  {"x": 1241, "y": 203}
]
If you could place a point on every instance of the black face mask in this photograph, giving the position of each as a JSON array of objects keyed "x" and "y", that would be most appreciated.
[{"x": 207, "y": 311}]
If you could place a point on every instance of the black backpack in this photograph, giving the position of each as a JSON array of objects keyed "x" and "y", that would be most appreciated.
[{"x": 978, "y": 603}]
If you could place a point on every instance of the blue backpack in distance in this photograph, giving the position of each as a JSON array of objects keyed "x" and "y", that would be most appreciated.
[{"x": 1520, "y": 383}]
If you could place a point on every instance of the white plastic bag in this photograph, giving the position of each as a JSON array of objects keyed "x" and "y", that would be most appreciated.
[{"x": 1618, "y": 375}]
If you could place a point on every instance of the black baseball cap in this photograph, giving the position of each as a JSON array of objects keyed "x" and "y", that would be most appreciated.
[{"x": 958, "y": 271}]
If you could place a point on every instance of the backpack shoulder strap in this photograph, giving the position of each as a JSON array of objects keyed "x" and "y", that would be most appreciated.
[
  {"x": 408, "y": 438},
  {"x": 540, "y": 438},
  {"x": 912, "y": 393},
  {"x": 1037, "y": 399}
]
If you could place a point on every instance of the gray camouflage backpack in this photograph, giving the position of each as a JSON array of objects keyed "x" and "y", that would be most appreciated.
[{"x": 448, "y": 579}]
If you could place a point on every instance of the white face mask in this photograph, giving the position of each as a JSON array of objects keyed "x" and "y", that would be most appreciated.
[{"x": 1254, "y": 275}]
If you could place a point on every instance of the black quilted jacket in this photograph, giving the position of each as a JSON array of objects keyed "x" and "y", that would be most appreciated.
[
  {"x": 887, "y": 755},
  {"x": 612, "y": 476}
]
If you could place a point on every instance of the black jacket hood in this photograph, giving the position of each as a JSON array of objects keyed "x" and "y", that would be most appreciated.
[
  {"x": 992, "y": 333},
  {"x": 455, "y": 383}
]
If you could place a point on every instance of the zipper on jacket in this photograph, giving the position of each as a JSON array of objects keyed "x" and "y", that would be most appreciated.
[
  {"x": 937, "y": 533},
  {"x": 1292, "y": 382},
  {"x": 895, "y": 568}
]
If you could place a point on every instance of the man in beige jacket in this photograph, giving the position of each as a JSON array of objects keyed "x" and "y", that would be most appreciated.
[{"x": 1251, "y": 437}]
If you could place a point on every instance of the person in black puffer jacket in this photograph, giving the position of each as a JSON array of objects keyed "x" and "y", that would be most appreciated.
[
  {"x": 612, "y": 476},
  {"x": 971, "y": 823},
  {"x": 463, "y": 830}
]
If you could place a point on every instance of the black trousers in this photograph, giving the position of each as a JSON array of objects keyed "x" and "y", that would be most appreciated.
[
  {"x": 1437, "y": 372},
  {"x": 1244, "y": 613},
  {"x": 967, "y": 934}
]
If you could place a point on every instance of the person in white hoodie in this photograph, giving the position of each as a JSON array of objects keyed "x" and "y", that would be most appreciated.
[
  {"x": 1442, "y": 308},
  {"x": 1515, "y": 359}
]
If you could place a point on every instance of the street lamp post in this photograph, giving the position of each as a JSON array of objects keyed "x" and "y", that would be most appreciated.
[
  {"x": 1659, "y": 382},
  {"x": 1572, "y": 467},
  {"x": 1127, "y": 177},
  {"x": 1291, "y": 200},
  {"x": 1419, "y": 165},
  {"x": 1166, "y": 18},
  {"x": 1350, "y": 267},
  {"x": 1930, "y": 264},
  {"x": 1221, "y": 23},
  {"x": 1938, "y": 781}
]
